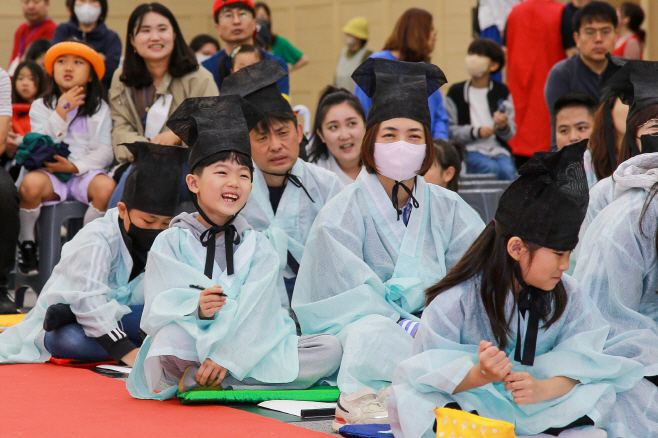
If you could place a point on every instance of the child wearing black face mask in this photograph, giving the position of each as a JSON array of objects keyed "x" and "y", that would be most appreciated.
[{"x": 91, "y": 307}]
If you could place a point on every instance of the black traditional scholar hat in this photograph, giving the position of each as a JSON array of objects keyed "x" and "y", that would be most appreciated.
[
  {"x": 547, "y": 203},
  {"x": 398, "y": 89},
  {"x": 636, "y": 84},
  {"x": 257, "y": 84},
  {"x": 209, "y": 125},
  {"x": 153, "y": 183}
]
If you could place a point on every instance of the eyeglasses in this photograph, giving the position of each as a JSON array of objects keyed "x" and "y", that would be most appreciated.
[
  {"x": 651, "y": 127},
  {"x": 230, "y": 15},
  {"x": 591, "y": 33}
]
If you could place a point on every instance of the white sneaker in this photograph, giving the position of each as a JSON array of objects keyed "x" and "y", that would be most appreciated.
[
  {"x": 383, "y": 395},
  {"x": 360, "y": 407}
]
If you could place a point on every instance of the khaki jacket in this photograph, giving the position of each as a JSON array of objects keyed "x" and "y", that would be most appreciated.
[{"x": 127, "y": 124}]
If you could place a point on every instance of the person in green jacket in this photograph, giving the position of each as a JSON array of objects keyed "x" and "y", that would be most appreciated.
[{"x": 281, "y": 47}]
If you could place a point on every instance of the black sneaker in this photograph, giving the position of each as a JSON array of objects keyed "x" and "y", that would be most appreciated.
[
  {"x": 28, "y": 262},
  {"x": 7, "y": 305}
]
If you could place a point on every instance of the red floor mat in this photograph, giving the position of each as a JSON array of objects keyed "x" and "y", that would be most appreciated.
[{"x": 54, "y": 401}]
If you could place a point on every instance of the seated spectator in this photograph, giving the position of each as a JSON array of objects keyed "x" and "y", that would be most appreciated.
[
  {"x": 353, "y": 54},
  {"x": 204, "y": 46},
  {"x": 447, "y": 167},
  {"x": 481, "y": 112},
  {"x": 338, "y": 131},
  {"x": 244, "y": 56},
  {"x": 28, "y": 84},
  {"x": 413, "y": 40},
  {"x": 630, "y": 41},
  {"x": 151, "y": 84},
  {"x": 573, "y": 117},
  {"x": 37, "y": 26},
  {"x": 607, "y": 136},
  {"x": 87, "y": 24},
  {"x": 280, "y": 46},
  {"x": 77, "y": 119},
  {"x": 36, "y": 51},
  {"x": 595, "y": 34},
  {"x": 235, "y": 21},
  {"x": 8, "y": 203},
  {"x": 91, "y": 307}
]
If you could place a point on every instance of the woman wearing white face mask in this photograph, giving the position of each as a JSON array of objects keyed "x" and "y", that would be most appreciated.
[
  {"x": 377, "y": 245},
  {"x": 87, "y": 24}
]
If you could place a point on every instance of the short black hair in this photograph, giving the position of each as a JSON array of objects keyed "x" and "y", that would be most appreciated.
[
  {"x": 275, "y": 118},
  {"x": 201, "y": 40},
  {"x": 575, "y": 100},
  {"x": 237, "y": 157},
  {"x": 37, "y": 48},
  {"x": 447, "y": 154},
  {"x": 489, "y": 48},
  {"x": 237, "y": 5},
  {"x": 71, "y": 5},
  {"x": 247, "y": 48},
  {"x": 594, "y": 11},
  {"x": 182, "y": 61}
]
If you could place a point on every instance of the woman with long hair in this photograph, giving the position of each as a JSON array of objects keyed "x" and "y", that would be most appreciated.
[
  {"x": 159, "y": 72},
  {"x": 413, "y": 40},
  {"x": 376, "y": 246},
  {"x": 607, "y": 136},
  {"x": 505, "y": 333}
]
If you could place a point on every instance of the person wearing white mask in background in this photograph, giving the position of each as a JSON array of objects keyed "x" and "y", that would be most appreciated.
[
  {"x": 338, "y": 131},
  {"x": 481, "y": 112},
  {"x": 87, "y": 24},
  {"x": 204, "y": 46},
  {"x": 366, "y": 263}
]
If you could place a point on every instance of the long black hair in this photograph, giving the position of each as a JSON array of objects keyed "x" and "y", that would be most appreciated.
[
  {"x": 489, "y": 256},
  {"x": 330, "y": 97},
  {"x": 182, "y": 61},
  {"x": 94, "y": 95},
  {"x": 37, "y": 77}
]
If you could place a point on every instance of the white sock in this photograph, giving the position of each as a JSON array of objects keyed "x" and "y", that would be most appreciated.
[
  {"x": 28, "y": 220},
  {"x": 91, "y": 214}
]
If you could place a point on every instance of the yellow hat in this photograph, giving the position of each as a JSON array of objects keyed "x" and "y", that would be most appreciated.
[
  {"x": 452, "y": 423},
  {"x": 357, "y": 27},
  {"x": 77, "y": 49}
]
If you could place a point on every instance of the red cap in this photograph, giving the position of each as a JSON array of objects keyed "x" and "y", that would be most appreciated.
[{"x": 219, "y": 4}]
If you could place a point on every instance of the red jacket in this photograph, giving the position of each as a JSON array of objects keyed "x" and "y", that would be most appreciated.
[
  {"x": 25, "y": 34},
  {"x": 20, "y": 119},
  {"x": 534, "y": 45}
]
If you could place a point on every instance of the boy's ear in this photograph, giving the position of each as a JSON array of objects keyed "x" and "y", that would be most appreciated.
[
  {"x": 515, "y": 247},
  {"x": 192, "y": 183},
  {"x": 493, "y": 66},
  {"x": 123, "y": 209}
]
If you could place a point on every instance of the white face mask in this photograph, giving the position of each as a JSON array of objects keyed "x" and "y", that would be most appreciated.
[
  {"x": 477, "y": 65},
  {"x": 87, "y": 14},
  {"x": 200, "y": 57},
  {"x": 399, "y": 161}
]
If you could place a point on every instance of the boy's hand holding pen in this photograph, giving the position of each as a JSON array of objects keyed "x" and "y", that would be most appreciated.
[{"x": 211, "y": 300}]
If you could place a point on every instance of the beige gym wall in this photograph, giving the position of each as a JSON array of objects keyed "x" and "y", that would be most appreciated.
[{"x": 314, "y": 27}]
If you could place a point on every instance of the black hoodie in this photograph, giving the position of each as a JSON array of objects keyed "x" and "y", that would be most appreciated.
[{"x": 102, "y": 39}]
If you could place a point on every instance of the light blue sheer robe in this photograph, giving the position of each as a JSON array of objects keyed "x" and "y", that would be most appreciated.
[
  {"x": 251, "y": 336},
  {"x": 288, "y": 229},
  {"x": 445, "y": 349},
  {"x": 92, "y": 276},
  {"x": 363, "y": 270}
]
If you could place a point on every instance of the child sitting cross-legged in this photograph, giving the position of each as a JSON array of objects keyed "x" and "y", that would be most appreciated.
[{"x": 212, "y": 310}]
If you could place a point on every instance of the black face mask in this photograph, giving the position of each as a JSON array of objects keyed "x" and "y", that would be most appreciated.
[
  {"x": 142, "y": 238},
  {"x": 649, "y": 144}
]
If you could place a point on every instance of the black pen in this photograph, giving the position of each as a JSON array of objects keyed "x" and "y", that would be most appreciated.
[{"x": 195, "y": 286}]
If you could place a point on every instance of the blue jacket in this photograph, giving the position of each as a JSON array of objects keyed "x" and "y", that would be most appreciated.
[
  {"x": 440, "y": 119},
  {"x": 102, "y": 39},
  {"x": 212, "y": 65}
]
